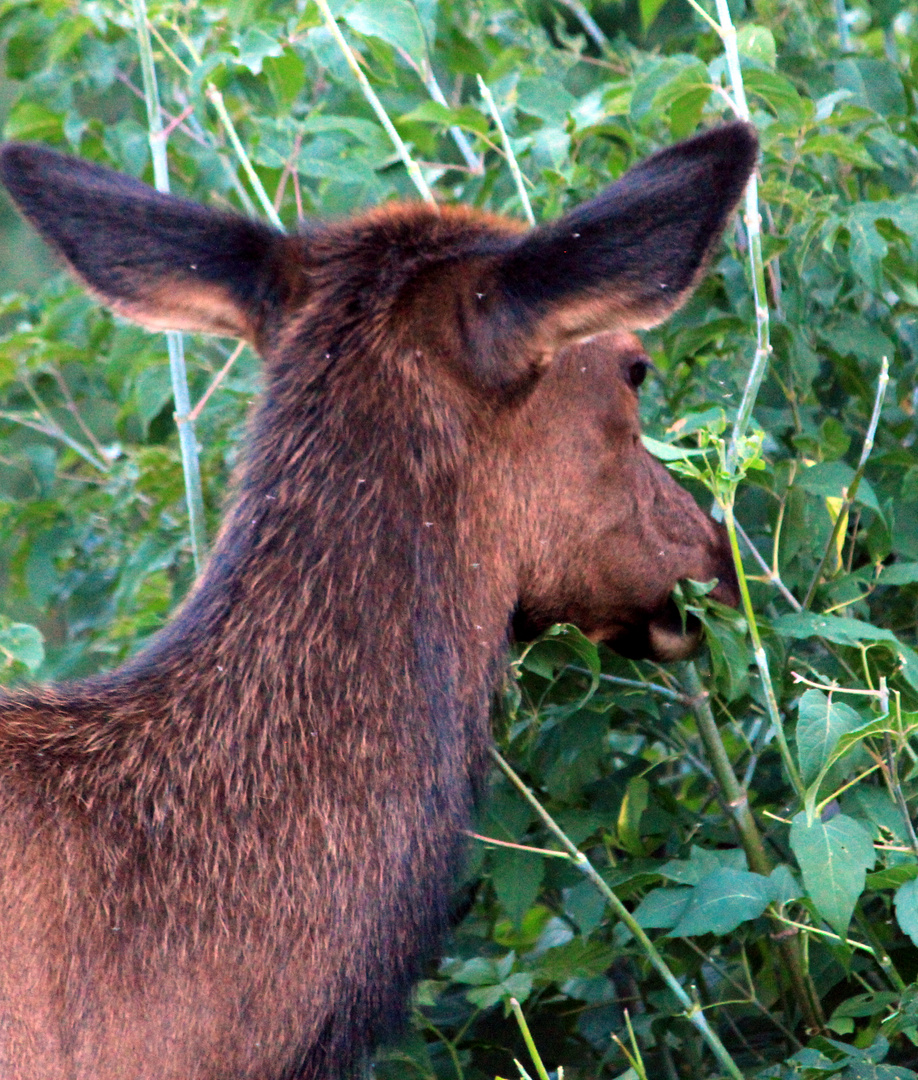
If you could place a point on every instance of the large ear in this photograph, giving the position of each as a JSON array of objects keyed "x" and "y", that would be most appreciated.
[
  {"x": 624, "y": 260},
  {"x": 165, "y": 262}
]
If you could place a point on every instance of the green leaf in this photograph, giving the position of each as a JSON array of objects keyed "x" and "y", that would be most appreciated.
[
  {"x": 667, "y": 452},
  {"x": 722, "y": 901},
  {"x": 904, "y": 573},
  {"x": 783, "y": 885},
  {"x": 701, "y": 863},
  {"x": 545, "y": 98},
  {"x": 758, "y": 43},
  {"x": 891, "y": 877},
  {"x": 777, "y": 92},
  {"x": 637, "y": 796},
  {"x": 394, "y": 21},
  {"x": 821, "y": 723},
  {"x": 29, "y": 120},
  {"x": 873, "y": 83},
  {"x": 649, "y": 10},
  {"x": 834, "y": 857},
  {"x": 545, "y": 658},
  {"x": 845, "y": 631},
  {"x": 466, "y": 117},
  {"x": 662, "y": 908},
  {"x": 831, "y": 479},
  {"x": 841, "y": 147},
  {"x": 517, "y": 878},
  {"x": 255, "y": 46},
  {"x": 576, "y": 959},
  {"x": 21, "y": 644},
  {"x": 907, "y": 908},
  {"x": 518, "y": 985}
]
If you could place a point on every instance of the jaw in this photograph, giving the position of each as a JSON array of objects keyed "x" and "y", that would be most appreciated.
[{"x": 664, "y": 638}]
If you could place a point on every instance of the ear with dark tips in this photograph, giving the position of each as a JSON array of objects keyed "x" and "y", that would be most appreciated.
[
  {"x": 160, "y": 260},
  {"x": 632, "y": 255}
]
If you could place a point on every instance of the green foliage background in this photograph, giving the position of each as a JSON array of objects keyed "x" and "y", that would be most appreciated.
[{"x": 94, "y": 548}]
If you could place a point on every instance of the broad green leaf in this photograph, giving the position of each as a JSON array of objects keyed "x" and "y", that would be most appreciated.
[
  {"x": 891, "y": 877},
  {"x": 777, "y": 92},
  {"x": 701, "y": 863},
  {"x": 822, "y": 720},
  {"x": 576, "y": 959},
  {"x": 21, "y": 644},
  {"x": 665, "y": 76},
  {"x": 758, "y": 43},
  {"x": 29, "y": 120},
  {"x": 467, "y": 117},
  {"x": 907, "y": 908},
  {"x": 545, "y": 98},
  {"x": 900, "y": 573},
  {"x": 559, "y": 646},
  {"x": 649, "y": 10},
  {"x": 834, "y": 857},
  {"x": 723, "y": 900},
  {"x": 845, "y": 631},
  {"x": 841, "y": 147},
  {"x": 832, "y": 480},
  {"x": 632, "y": 809},
  {"x": 874, "y": 83},
  {"x": 517, "y": 878},
  {"x": 783, "y": 885},
  {"x": 518, "y": 985},
  {"x": 395, "y": 21},
  {"x": 586, "y": 905},
  {"x": 667, "y": 452},
  {"x": 255, "y": 46},
  {"x": 662, "y": 908}
]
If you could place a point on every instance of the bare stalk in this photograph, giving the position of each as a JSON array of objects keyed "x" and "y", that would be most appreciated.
[
  {"x": 191, "y": 468},
  {"x": 693, "y": 1011},
  {"x": 216, "y": 99},
  {"x": 851, "y": 493},
  {"x": 587, "y": 21},
  {"x": 474, "y": 163},
  {"x": 376, "y": 105},
  {"x": 508, "y": 150}
]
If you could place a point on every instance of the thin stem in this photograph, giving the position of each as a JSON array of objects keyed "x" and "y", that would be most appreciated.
[
  {"x": 587, "y": 21},
  {"x": 75, "y": 412},
  {"x": 528, "y": 1039},
  {"x": 761, "y": 659},
  {"x": 214, "y": 96},
  {"x": 737, "y": 799},
  {"x": 54, "y": 431},
  {"x": 693, "y": 1012},
  {"x": 194, "y": 496},
  {"x": 508, "y": 150},
  {"x": 517, "y": 847},
  {"x": 218, "y": 378},
  {"x": 841, "y": 22},
  {"x": 727, "y": 32},
  {"x": 771, "y": 576},
  {"x": 851, "y": 493},
  {"x": 636, "y": 684},
  {"x": 376, "y": 105},
  {"x": 473, "y": 162}
]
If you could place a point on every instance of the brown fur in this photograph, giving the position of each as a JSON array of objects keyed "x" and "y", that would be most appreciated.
[{"x": 227, "y": 858}]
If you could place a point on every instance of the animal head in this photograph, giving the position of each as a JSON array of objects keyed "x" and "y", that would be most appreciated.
[{"x": 480, "y": 348}]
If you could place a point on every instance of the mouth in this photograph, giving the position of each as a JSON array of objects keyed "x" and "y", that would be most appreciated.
[{"x": 664, "y": 639}]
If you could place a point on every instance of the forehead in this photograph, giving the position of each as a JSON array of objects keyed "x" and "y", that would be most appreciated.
[{"x": 605, "y": 356}]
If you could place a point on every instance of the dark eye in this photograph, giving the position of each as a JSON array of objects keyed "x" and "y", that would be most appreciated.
[{"x": 637, "y": 372}]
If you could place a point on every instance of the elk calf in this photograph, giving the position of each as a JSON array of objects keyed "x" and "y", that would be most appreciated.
[{"x": 228, "y": 857}]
